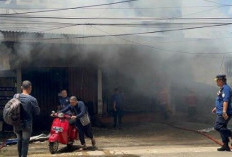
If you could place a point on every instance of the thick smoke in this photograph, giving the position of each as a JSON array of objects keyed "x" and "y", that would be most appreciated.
[{"x": 141, "y": 66}]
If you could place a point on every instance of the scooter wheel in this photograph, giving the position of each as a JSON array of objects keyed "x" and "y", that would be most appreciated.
[{"x": 53, "y": 147}]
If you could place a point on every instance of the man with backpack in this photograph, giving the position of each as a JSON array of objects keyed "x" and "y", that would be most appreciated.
[{"x": 29, "y": 108}]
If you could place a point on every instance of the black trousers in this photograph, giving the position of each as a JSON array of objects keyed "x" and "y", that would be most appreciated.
[
  {"x": 84, "y": 131},
  {"x": 118, "y": 118},
  {"x": 221, "y": 127}
]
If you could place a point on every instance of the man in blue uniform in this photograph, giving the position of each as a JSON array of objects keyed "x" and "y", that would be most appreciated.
[
  {"x": 223, "y": 111},
  {"x": 117, "y": 101},
  {"x": 63, "y": 100}
]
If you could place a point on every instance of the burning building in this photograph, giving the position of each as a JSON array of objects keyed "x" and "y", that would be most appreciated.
[{"x": 142, "y": 56}]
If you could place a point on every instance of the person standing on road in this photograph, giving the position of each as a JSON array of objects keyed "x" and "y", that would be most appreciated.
[
  {"x": 117, "y": 100},
  {"x": 223, "y": 111},
  {"x": 29, "y": 109}
]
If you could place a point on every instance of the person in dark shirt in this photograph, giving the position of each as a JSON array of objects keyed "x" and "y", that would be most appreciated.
[
  {"x": 63, "y": 100},
  {"x": 79, "y": 110},
  {"x": 117, "y": 101},
  {"x": 29, "y": 109}
]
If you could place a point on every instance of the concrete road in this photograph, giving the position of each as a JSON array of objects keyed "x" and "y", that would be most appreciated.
[
  {"x": 169, "y": 151},
  {"x": 150, "y": 139}
]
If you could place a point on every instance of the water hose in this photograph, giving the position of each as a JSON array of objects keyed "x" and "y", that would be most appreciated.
[{"x": 198, "y": 132}]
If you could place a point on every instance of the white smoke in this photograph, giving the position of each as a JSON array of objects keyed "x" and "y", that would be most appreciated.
[{"x": 139, "y": 64}]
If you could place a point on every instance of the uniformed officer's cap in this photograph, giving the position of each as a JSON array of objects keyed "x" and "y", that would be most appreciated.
[{"x": 220, "y": 77}]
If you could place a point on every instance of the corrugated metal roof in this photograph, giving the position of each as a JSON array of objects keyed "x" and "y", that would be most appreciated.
[
  {"x": 23, "y": 36},
  {"x": 31, "y": 32}
]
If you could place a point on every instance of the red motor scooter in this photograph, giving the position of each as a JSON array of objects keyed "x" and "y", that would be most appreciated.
[{"x": 61, "y": 132}]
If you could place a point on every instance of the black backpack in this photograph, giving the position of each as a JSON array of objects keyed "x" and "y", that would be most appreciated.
[{"x": 11, "y": 111}]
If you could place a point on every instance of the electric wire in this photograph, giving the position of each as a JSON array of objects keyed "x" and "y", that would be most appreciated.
[{"x": 72, "y": 8}]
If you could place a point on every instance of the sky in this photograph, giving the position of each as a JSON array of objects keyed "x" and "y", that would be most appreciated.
[{"x": 159, "y": 9}]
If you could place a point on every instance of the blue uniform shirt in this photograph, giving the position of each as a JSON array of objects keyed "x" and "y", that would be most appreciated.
[
  {"x": 224, "y": 95},
  {"x": 118, "y": 99},
  {"x": 64, "y": 102}
]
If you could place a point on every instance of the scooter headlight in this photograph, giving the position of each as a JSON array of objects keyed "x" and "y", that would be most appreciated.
[
  {"x": 60, "y": 115},
  {"x": 57, "y": 129}
]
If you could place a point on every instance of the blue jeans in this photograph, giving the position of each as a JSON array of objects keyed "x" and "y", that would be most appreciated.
[
  {"x": 221, "y": 127},
  {"x": 23, "y": 133}
]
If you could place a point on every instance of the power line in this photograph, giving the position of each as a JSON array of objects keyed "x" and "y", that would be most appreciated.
[
  {"x": 165, "y": 50},
  {"x": 217, "y": 3},
  {"x": 115, "y": 18},
  {"x": 115, "y": 24},
  {"x": 161, "y": 31},
  {"x": 142, "y": 33},
  {"x": 206, "y": 10},
  {"x": 61, "y": 9},
  {"x": 119, "y": 8},
  {"x": 181, "y": 52},
  {"x": 131, "y": 34},
  {"x": 65, "y": 25},
  {"x": 128, "y": 24},
  {"x": 176, "y": 17},
  {"x": 61, "y": 25},
  {"x": 192, "y": 40},
  {"x": 172, "y": 18}
]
